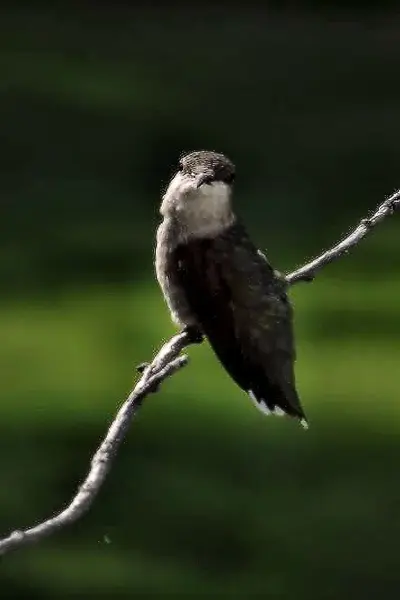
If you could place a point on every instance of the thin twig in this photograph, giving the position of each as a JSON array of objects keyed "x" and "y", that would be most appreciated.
[
  {"x": 309, "y": 271},
  {"x": 167, "y": 362}
]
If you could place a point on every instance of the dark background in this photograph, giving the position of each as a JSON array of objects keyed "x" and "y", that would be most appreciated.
[{"x": 207, "y": 496}]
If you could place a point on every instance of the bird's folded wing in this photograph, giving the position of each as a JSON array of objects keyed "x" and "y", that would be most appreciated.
[{"x": 248, "y": 331}]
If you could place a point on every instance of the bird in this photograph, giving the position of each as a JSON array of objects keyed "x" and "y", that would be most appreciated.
[{"x": 217, "y": 284}]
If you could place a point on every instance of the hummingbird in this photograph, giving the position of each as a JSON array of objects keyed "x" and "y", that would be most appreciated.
[{"x": 217, "y": 284}]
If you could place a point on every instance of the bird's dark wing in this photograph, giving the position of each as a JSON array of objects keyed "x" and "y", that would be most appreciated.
[{"x": 244, "y": 312}]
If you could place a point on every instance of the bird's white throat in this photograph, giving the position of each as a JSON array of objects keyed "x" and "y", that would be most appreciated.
[{"x": 201, "y": 212}]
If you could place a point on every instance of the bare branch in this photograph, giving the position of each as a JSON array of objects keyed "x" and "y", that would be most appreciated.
[
  {"x": 309, "y": 271},
  {"x": 167, "y": 362}
]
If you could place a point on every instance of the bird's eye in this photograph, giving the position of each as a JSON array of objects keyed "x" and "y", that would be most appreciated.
[
  {"x": 180, "y": 165},
  {"x": 230, "y": 178}
]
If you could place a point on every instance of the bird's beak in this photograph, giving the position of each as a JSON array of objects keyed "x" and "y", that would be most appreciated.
[{"x": 203, "y": 178}]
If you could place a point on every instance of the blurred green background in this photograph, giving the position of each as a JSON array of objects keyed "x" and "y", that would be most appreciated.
[{"x": 207, "y": 496}]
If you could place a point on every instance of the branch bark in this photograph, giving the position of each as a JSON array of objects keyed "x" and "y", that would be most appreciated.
[
  {"x": 309, "y": 270},
  {"x": 167, "y": 362}
]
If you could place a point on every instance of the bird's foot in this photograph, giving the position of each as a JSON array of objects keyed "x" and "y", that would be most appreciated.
[{"x": 194, "y": 334}]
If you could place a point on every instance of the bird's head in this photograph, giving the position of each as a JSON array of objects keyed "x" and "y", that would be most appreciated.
[{"x": 199, "y": 194}]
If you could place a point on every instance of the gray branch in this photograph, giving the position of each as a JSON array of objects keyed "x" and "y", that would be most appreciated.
[
  {"x": 309, "y": 271},
  {"x": 167, "y": 362}
]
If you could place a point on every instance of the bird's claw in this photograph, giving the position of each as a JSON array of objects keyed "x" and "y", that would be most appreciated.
[{"x": 194, "y": 334}]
